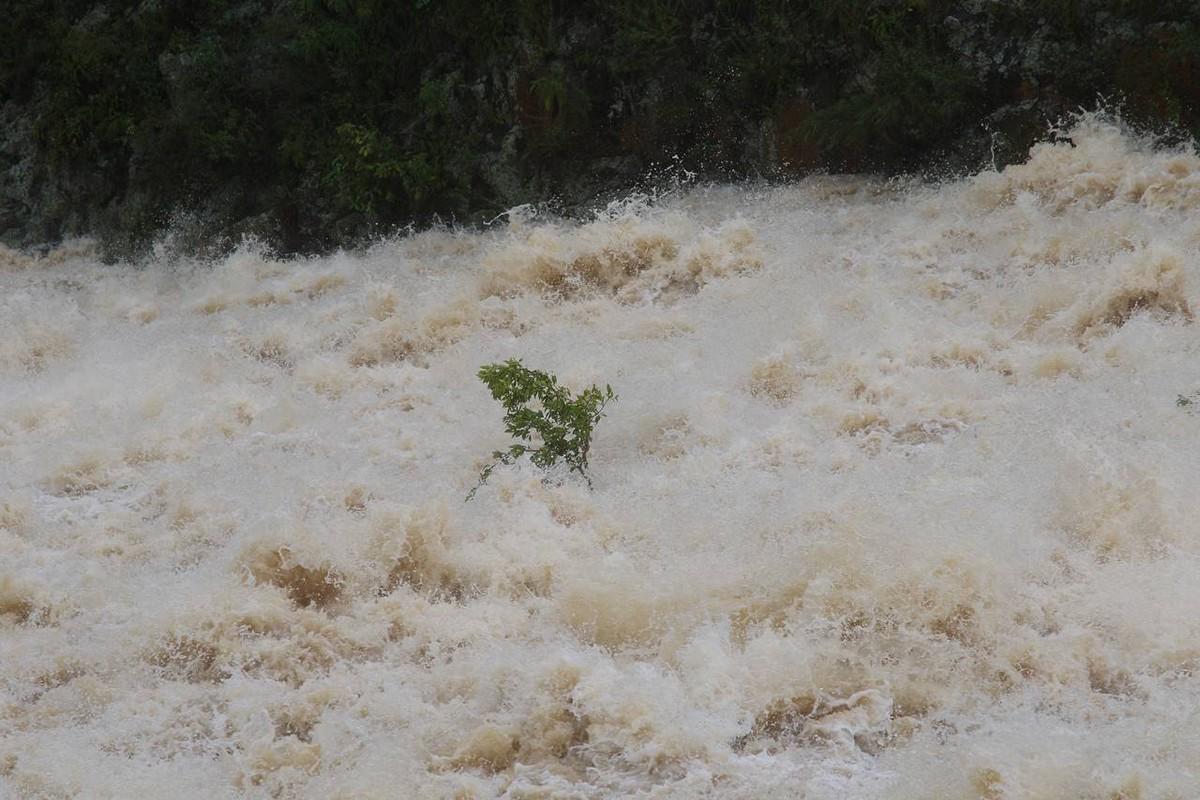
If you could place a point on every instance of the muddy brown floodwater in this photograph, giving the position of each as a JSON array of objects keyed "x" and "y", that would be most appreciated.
[{"x": 897, "y": 502}]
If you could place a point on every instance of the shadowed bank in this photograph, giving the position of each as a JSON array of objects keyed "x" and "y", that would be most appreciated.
[{"x": 311, "y": 124}]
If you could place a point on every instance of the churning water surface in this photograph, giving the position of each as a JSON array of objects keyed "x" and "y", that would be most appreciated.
[{"x": 899, "y": 500}]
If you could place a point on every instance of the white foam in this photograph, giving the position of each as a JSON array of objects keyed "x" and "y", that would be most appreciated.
[{"x": 897, "y": 501}]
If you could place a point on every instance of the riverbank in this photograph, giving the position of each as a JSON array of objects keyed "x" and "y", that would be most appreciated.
[{"x": 314, "y": 125}]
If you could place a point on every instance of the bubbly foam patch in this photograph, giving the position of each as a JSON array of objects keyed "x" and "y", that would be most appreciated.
[{"x": 898, "y": 501}]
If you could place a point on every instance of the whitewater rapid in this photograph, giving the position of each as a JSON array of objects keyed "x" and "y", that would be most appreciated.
[{"x": 899, "y": 500}]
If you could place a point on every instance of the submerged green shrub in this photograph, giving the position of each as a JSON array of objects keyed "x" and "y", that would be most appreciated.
[{"x": 536, "y": 406}]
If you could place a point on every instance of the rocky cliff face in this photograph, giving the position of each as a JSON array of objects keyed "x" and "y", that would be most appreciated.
[{"x": 312, "y": 123}]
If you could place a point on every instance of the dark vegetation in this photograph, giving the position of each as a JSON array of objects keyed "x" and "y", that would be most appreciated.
[{"x": 310, "y": 123}]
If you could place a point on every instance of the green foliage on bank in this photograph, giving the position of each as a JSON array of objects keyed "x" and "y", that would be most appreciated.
[{"x": 310, "y": 122}]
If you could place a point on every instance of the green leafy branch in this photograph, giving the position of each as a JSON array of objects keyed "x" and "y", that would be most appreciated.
[{"x": 536, "y": 408}]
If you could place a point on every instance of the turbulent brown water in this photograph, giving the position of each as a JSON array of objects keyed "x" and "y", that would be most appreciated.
[{"x": 897, "y": 502}]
